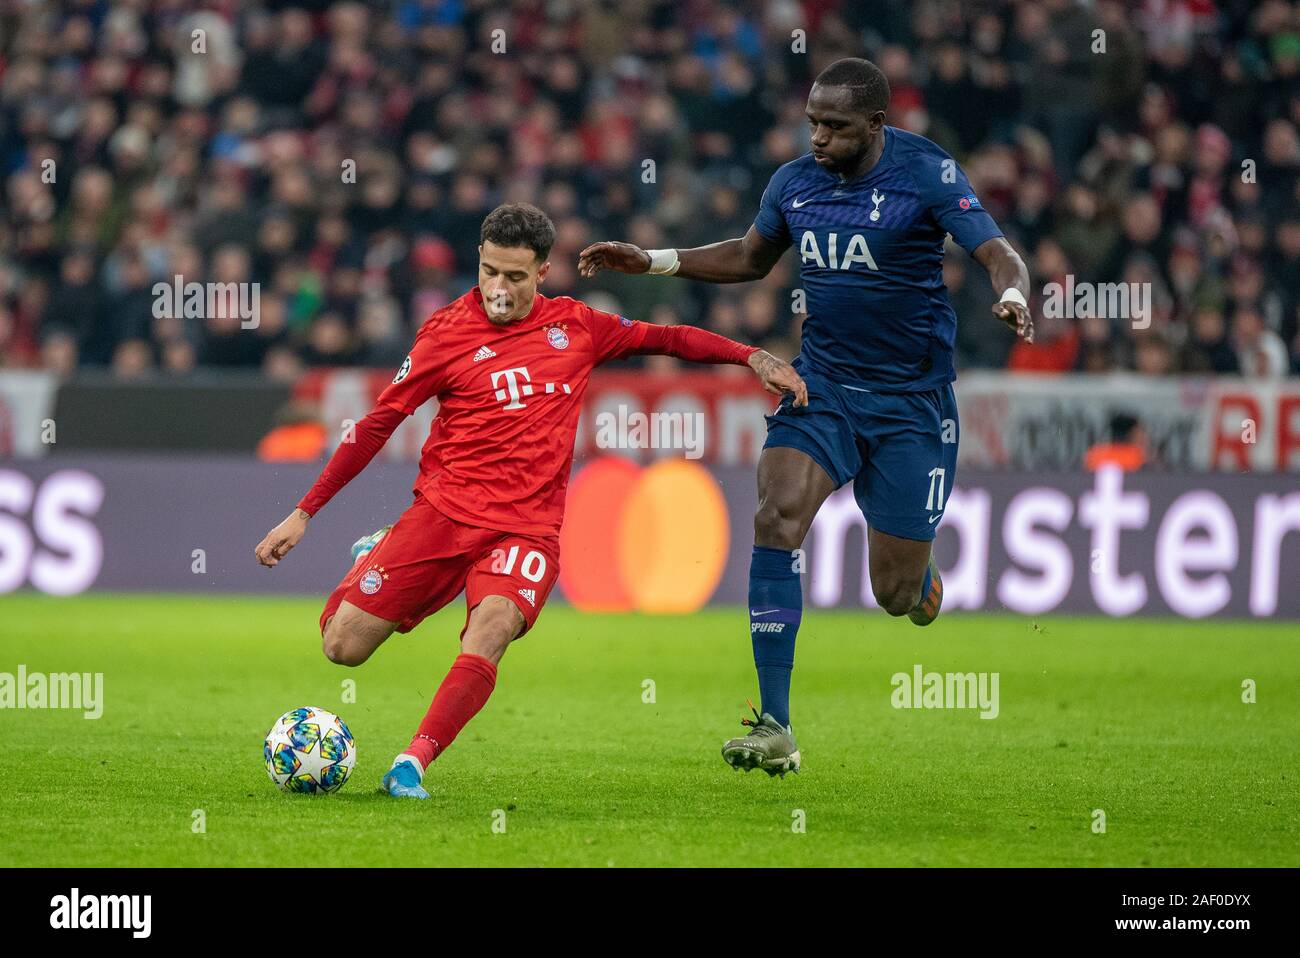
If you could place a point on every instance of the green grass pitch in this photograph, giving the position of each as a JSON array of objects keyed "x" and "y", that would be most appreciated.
[{"x": 1142, "y": 719}]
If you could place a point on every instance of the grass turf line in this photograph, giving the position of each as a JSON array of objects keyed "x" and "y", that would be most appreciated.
[{"x": 1140, "y": 718}]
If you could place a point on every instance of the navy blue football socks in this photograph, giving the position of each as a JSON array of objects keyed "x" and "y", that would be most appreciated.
[{"x": 775, "y": 608}]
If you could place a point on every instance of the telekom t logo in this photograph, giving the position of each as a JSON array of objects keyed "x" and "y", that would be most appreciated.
[{"x": 515, "y": 389}]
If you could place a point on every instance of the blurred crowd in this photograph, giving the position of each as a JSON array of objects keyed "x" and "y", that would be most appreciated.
[{"x": 341, "y": 155}]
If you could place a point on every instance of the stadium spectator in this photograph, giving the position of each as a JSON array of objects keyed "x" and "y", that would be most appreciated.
[
  {"x": 1208, "y": 349},
  {"x": 297, "y": 436},
  {"x": 1261, "y": 354},
  {"x": 1128, "y": 446}
]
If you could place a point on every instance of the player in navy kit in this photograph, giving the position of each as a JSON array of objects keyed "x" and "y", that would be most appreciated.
[{"x": 867, "y": 210}]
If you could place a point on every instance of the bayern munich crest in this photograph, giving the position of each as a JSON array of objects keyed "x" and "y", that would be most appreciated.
[
  {"x": 557, "y": 337},
  {"x": 371, "y": 581}
]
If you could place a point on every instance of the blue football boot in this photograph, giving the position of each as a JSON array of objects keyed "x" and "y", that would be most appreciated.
[
  {"x": 365, "y": 544},
  {"x": 404, "y": 778}
]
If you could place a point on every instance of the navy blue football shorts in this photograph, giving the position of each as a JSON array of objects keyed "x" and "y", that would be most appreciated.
[{"x": 900, "y": 449}]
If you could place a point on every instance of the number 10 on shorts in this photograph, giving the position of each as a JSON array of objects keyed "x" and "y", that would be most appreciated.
[
  {"x": 532, "y": 568},
  {"x": 936, "y": 478}
]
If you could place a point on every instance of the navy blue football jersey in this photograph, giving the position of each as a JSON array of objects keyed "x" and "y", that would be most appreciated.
[{"x": 871, "y": 261}]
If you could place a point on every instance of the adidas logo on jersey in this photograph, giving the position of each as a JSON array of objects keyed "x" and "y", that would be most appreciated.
[
  {"x": 482, "y": 354},
  {"x": 530, "y": 595}
]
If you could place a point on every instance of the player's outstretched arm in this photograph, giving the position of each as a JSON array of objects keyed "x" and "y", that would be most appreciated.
[
  {"x": 703, "y": 346},
  {"x": 348, "y": 460},
  {"x": 740, "y": 260},
  {"x": 1007, "y": 272}
]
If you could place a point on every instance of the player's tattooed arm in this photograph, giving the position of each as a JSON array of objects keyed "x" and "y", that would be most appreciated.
[
  {"x": 277, "y": 543},
  {"x": 778, "y": 376},
  {"x": 1007, "y": 271},
  {"x": 741, "y": 260}
]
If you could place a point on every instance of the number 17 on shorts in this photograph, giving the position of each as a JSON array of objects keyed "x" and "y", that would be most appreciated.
[{"x": 936, "y": 497}]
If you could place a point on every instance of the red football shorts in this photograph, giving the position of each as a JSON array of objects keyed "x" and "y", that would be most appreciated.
[{"x": 427, "y": 559}]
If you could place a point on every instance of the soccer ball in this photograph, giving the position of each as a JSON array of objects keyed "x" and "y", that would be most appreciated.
[{"x": 309, "y": 750}]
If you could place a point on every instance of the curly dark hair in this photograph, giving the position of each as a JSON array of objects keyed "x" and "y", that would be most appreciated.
[{"x": 519, "y": 224}]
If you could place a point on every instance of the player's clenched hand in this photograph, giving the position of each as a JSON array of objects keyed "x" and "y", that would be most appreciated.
[
  {"x": 620, "y": 257},
  {"x": 1017, "y": 317},
  {"x": 778, "y": 376},
  {"x": 282, "y": 538}
]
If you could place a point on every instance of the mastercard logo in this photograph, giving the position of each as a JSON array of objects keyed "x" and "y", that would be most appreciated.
[{"x": 653, "y": 539}]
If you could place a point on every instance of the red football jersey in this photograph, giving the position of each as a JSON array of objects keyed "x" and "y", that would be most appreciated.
[{"x": 501, "y": 447}]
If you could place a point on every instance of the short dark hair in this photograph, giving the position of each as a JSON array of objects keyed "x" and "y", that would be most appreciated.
[
  {"x": 519, "y": 224},
  {"x": 864, "y": 80}
]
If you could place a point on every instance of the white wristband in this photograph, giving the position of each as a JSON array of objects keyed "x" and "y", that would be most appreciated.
[
  {"x": 663, "y": 262},
  {"x": 1013, "y": 295}
]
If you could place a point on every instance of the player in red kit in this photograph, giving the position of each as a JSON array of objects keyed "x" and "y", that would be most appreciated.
[{"x": 509, "y": 368}]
